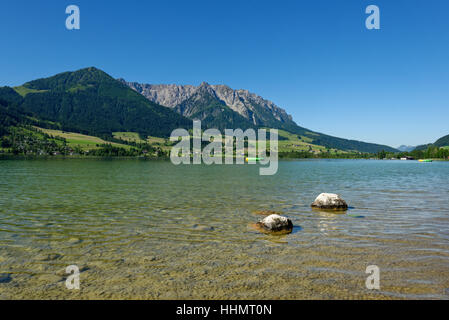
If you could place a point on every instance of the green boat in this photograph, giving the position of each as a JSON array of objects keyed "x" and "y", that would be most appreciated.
[{"x": 425, "y": 160}]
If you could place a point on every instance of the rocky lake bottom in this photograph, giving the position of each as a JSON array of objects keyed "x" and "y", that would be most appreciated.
[{"x": 152, "y": 230}]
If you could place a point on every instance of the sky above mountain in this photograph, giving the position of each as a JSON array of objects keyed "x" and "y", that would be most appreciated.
[{"x": 313, "y": 58}]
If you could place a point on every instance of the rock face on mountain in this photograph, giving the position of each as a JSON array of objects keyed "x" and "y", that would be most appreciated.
[
  {"x": 254, "y": 108},
  {"x": 169, "y": 95}
]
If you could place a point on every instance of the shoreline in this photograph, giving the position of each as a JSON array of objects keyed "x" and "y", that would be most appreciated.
[{"x": 6, "y": 156}]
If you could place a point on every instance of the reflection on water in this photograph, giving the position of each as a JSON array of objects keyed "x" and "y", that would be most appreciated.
[
  {"x": 327, "y": 222},
  {"x": 151, "y": 230}
]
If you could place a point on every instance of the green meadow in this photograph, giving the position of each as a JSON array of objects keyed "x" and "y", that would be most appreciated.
[
  {"x": 23, "y": 91},
  {"x": 85, "y": 142},
  {"x": 162, "y": 143}
]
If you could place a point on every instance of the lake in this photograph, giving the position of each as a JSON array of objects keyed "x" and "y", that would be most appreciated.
[{"x": 151, "y": 230}]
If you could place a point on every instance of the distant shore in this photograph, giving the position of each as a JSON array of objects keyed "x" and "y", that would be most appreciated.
[{"x": 10, "y": 156}]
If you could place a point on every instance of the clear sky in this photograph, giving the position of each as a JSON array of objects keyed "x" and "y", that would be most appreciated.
[{"x": 313, "y": 58}]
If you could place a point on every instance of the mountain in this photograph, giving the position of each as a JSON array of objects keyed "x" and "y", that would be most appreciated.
[
  {"x": 89, "y": 101},
  {"x": 219, "y": 106},
  {"x": 441, "y": 142},
  {"x": 258, "y": 111},
  {"x": 405, "y": 148},
  {"x": 204, "y": 105},
  {"x": 92, "y": 102},
  {"x": 9, "y": 116}
]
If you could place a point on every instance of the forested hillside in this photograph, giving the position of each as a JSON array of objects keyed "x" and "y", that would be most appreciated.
[{"x": 92, "y": 102}]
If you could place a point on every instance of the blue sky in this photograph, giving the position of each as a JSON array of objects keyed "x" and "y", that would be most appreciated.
[{"x": 313, "y": 58}]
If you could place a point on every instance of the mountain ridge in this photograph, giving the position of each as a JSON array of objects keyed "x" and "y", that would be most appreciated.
[
  {"x": 405, "y": 148},
  {"x": 441, "y": 142},
  {"x": 90, "y": 101},
  {"x": 241, "y": 101},
  {"x": 258, "y": 112}
]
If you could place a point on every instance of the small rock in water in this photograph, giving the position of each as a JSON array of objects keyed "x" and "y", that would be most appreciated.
[
  {"x": 5, "y": 278},
  {"x": 149, "y": 259},
  {"x": 74, "y": 241},
  {"x": 355, "y": 216},
  {"x": 276, "y": 223},
  {"x": 48, "y": 257},
  {"x": 330, "y": 201},
  {"x": 203, "y": 228}
]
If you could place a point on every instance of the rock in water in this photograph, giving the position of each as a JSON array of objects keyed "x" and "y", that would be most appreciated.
[
  {"x": 5, "y": 278},
  {"x": 275, "y": 223},
  {"x": 330, "y": 201}
]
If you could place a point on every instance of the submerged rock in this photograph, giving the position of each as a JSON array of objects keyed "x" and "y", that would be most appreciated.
[
  {"x": 330, "y": 201},
  {"x": 203, "y": 227},
  {"x": 5, "y": 278},
  {"x": 275, "y": 223},
  {"x": 74, "y": 241},
  {"x": 48, "y": 257},
  {"x": 149, "y": 259}
]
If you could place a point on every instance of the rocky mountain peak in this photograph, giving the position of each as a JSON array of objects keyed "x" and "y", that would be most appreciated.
[{"x": 254, "y": 108}]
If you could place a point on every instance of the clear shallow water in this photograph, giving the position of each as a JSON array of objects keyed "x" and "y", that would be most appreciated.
[{"x": 152, "y": 230}]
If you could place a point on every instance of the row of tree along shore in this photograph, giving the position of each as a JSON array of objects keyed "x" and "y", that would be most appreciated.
[
  {"x": 432, "y": 152},
  {"x": 109, "y": 151}
]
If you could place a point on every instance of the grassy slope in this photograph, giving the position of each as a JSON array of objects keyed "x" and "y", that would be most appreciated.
[
  {"x": 290, "y": 143},
  {"x": 294, "y": 143},
  {"x": 84, "y": 141},
  {"x": 23, "y": 91},
  {"x": 128, "y": 136},
  {"x": 135, "y": 137}
]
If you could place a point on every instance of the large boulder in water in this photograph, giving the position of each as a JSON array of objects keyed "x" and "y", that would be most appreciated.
[
  {"x": 330, "y": 201},
  {"x": 276, "y": 223}
]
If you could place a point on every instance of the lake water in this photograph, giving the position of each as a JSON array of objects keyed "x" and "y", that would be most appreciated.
[{"x": 152, "y": 230}]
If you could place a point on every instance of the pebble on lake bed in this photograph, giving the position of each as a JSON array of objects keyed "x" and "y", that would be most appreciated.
[
  {"x": 330, "y": 201},
  {"x": 203, "y": 227},
  {"x": 47, "y": 257},
  {"x": 275, "y": 223},
  {"x": 5, "y": 278}
]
